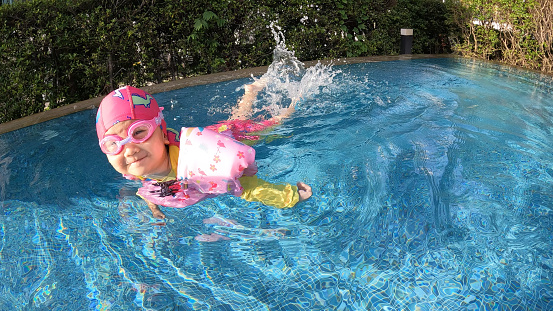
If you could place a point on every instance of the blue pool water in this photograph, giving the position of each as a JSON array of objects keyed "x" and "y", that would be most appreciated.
[{"x": 432, "y": 191}]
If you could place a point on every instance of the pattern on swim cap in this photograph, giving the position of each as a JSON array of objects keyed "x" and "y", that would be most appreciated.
[
  {"x": 138, "y": 100},
  {"x": 117, "y": 93}
]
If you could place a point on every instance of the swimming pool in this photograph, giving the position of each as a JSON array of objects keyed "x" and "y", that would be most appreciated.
[{"x": 432, "y": 191}]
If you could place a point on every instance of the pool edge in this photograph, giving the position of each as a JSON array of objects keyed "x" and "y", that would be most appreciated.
[{"x": 193, "y": 81}]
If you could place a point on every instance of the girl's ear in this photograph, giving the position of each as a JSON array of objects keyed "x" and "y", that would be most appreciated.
[{"x": 165, "y": 139}]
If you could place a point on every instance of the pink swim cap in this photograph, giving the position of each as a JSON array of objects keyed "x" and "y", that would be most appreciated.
[{"x": 126, "y": 103}]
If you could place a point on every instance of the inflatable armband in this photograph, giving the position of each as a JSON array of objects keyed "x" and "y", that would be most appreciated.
[{"x": 211, "y": 162}]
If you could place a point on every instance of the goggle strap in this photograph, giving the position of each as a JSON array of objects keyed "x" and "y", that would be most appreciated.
[{"x": 159, "y": 117}]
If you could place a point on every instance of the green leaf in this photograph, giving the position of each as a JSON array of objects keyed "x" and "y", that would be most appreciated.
[
  {"x": 208, "y": 15},
  {"x": 199, "y": 24}
]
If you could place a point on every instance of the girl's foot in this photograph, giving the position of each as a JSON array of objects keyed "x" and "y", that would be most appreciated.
[
  {"x": 256, "y": 86},
  {"x": 213, "y": 237},
  {"x": 244, "y": 108}
]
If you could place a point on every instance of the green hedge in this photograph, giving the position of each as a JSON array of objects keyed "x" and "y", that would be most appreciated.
[
  {"x": 515, "y": 32},
  {"x": 58, "y": 52}
]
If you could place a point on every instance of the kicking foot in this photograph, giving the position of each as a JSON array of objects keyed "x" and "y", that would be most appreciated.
[
  {"x": 256, "y": 86},
  {"x": 214, "y": 237},
  {"x": 244, "y": 108},
  {"x": 304, "y": 191}
]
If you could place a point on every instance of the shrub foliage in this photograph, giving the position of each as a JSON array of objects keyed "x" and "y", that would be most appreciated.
[{"x": 516, "y": 32}]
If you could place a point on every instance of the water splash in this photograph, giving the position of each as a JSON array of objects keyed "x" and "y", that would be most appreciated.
[{"x": 288, "y": 80}]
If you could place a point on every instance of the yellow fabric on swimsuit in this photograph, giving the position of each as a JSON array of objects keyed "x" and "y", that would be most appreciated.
[
  {"x": 259, "y": 190},
  {"x": 255, "y": 189}
]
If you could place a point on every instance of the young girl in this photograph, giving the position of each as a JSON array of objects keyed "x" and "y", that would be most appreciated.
[{"x": 135, "y": 138}]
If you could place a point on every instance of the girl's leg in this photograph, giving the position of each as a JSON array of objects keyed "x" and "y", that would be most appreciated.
[
  {"x": 288, "y": 111},
  {"x": 244, "y": 108}
]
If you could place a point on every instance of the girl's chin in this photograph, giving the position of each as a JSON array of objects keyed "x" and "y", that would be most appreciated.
[
  {"x": 138, "y": 170},
  {"x": 144, "y": 168}
]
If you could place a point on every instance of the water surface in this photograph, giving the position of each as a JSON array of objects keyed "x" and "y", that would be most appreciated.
[{"x": 432, "y": 191}]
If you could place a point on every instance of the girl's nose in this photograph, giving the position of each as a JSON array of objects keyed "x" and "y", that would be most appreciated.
[{"x": 130, "y": 149}]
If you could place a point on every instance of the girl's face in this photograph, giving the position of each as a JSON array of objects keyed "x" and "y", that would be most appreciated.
[{"x": 140, "y": 159}]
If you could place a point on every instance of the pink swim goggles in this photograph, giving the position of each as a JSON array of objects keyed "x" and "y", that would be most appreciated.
[{"x": 138, "y": 132}]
